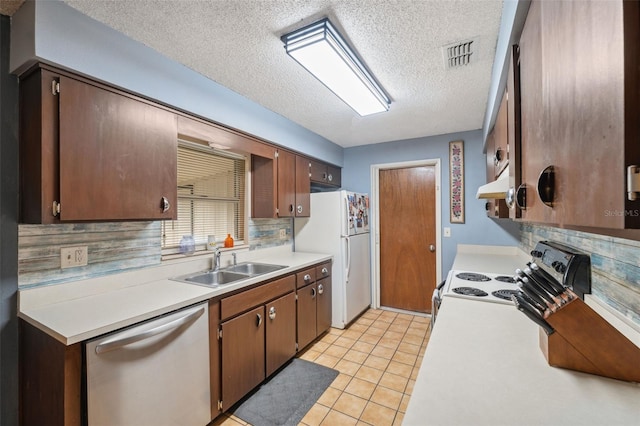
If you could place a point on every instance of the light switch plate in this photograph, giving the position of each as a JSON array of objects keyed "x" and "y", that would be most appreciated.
[
  {"x": 71, "y": 257},
  {"x": 447, "y": 231}
]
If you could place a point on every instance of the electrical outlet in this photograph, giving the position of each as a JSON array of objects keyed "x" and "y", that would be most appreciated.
[
  {"x": 283, "y": 234},
  {"x": 447, "y": 232},
  {"x": 71, "y": 257}
]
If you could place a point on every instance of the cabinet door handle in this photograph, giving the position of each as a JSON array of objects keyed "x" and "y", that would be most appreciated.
[
  {"x": 313, "y": 292},
  {"x": 272, "y": 313},
  {"x": 324, "y": 176},
  {"x": 330, "y": 177},
  {"x": 259, "y": 320},
  {"x": 299, "y": 208},
  {"x": 307, "y": 277},
  {"x": 320, "y": 289},
  {"x": 290, "y": 208},
  {"x": 165, "y": 205},
  {"x": 324, "y": 271}
]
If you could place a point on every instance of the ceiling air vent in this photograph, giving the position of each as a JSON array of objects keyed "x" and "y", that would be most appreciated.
[{"x": 460, "y": 54}]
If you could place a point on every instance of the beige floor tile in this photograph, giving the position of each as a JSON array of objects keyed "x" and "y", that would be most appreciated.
[
  {"x": 369, "y": 338},
  {"x": 341, "y": 381},
  {"x": 361, "y": 346},
  {"x": 320, "y": 346},
  {"x": 388, "y": 314},
  {"x": 336, "y": 418},
  {"x": 388, "y": 343},
  {"x": 309, "y": 355},
  {"x": 315, "y": 415},
  {"x": 423, "y": 320},
  {"x": 409, "y": 348},
  {"x": 399, "y": 368},
  {"x": 376, "y": 362},
  {"x": 406, "y": 317},
  {"x": 384, "y": 319},
  {"x": 352, "y": 334},
  {"x": 327, "y": 360},
  {"x": 393, "y": 335},
  {"x": 398, "y": 420},
  {"x": 364, "y": 321},
  {"x": 329, "y": 338},
  {"x": 336, "y": 331},
  {"x": 416, "y": 332},
  {"x": 373, "y": 331},
  {"x": 355, "y": 356},
  {"x": 361, "y": 388},
  {"x": 359, "y": 327},
  {"x": 378, "y": 415},
  {"x": 382, "y": 325},
  {"x": 413, "y": 339},
  {"x": 329, "y": 397},
  {"x": 350, "y": 405},
  {"x": 398, "y": 328},
  {"x": 414, "y": 372},
  {"x": 383, "y": 352},
  {"x": 405, "y": 358},
  {"x": 347, "y": 367},
  {"x": 372, "y": 314},
  {"x": 369, "y": 374},
  {"x": 336, "y": 351},
  {"x": 393, "y": 381},
  {"x": 225, "y": 420},
  {"x": 344, "y": 342},
  {"x": 387, "y": 397},
  {"x": 404, "y": 403},
  {"x": 410, "y": 385}
]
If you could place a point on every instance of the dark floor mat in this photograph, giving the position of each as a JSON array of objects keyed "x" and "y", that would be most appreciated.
[{"x": 286, "y": 397}]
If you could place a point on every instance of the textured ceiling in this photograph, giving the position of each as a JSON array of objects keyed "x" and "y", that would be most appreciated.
[{"x": 237, "y": 44}]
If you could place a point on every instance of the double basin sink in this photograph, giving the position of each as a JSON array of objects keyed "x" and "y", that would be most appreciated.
[{"x": 230, "y": 274}]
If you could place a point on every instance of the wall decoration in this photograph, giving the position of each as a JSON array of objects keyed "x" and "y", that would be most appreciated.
[{"x": 456, "y": 181}]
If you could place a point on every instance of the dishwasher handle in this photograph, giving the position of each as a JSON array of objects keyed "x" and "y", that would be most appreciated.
[{"x": 116, "y": 343}]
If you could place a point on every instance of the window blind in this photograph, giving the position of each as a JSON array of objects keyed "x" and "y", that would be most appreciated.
[{"x": 211, "y": 197}]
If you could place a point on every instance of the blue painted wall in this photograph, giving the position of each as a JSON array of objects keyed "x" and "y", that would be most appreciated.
[
  {"x": 53, "y": 32},
  {"x": 477, "y": 229}
]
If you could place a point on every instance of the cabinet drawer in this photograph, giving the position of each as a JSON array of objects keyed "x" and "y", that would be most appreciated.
[
  {"x": 323, "y": 270},
  {"x": 305, "y": 277},
  {"x": 246, "y": 300}
]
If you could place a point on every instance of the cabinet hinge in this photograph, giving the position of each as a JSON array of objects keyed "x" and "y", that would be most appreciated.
[
  {"x": 219, "y": 405},
  {"x": 276, "y": 154},
  {"x": 277, "y": 211},
  {"x": 55, "y": 208},
  {"x": 55, "y": 87},
  {"x": 219, "y": 333},
  {"x": 296, "y": 296},
  {"x": 633, "y": 182},
  {"x": 296, "y": 346}
]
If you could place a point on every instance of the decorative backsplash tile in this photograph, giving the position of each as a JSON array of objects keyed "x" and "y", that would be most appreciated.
[
  {"x": 615, "y": 264},
  {"x": 112, "y": 247}
]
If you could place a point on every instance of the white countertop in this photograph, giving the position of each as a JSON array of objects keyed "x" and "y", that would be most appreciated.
[
  {"x": 81, "y": 310},
  {"x": 483, "y": 366}
]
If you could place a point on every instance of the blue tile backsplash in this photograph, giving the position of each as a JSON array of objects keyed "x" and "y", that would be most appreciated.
[
  {"x": 615, "y": 264},
  {"x": 113, "y": 247}
]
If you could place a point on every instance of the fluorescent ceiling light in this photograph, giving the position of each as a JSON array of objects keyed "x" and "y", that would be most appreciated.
[{"x": 322, "y": 51}]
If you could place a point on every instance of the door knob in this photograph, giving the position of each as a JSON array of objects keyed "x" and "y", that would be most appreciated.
[
  {"x": 432, "y": 248},
  {"x": 272, "y": 313}
]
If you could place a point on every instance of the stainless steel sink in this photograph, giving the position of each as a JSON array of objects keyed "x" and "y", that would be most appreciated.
[
  {"x": 215, "y": 277},
  {"x": 253, "y": 269}
]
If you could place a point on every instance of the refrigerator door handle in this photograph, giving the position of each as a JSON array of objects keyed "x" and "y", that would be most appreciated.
[{"x": 348, "y": 268}]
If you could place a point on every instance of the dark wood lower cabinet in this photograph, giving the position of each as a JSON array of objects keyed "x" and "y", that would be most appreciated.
[
  {"x": 243, "y": 351},
  {"x": 306, "y": 315},
  {"x": 281, "y": 332},
  {"x": 323, "y": 305}
]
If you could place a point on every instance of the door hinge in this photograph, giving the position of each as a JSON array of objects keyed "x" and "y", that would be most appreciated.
[
  {"x": 219, "y": 405},
  {"x": 55, "y": 87},
  {"x": 633, "y": 182},
  {"x": 55, "y": 208},
  {"x": 219, "y": 333}
]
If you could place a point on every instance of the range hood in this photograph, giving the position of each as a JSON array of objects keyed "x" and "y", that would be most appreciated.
[{"x": 496, "y": 189}]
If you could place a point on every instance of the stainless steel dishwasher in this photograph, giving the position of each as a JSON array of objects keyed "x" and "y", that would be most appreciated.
[{"x": 153, "y": 373}]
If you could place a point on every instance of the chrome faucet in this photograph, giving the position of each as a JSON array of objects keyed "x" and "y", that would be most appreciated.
[
  {"x": 235, "y": 260},
  {"x": 216, "y": 260}
]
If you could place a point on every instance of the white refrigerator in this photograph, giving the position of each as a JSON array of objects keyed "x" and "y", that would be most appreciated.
[{"x": 339, "y": 225}]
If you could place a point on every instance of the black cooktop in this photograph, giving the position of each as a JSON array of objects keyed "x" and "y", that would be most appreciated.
[
  {"x": 472, "y": 276},
  {"x": 505, "y": 279},
  {"x": 470, "y": 291},
  {"x": 504, "y": 293}
]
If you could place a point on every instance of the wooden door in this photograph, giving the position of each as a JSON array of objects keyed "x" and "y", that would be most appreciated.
[
  {"x": 306, "y": 315},
  {"x": 407, "y": 230},
  {"x": 323, "y": 305},
  {"x": 118, "y": 156},
  {"x": 242, "y": 355},
  {"x": 303, "y": 187},
  {"x": 286, "y": 183},
  {"x": 281, "y": 331}
]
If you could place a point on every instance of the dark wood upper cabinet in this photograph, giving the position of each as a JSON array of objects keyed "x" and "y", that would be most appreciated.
[
  {"x": 501, "y": 138},
  {"x": 303, "y": 187},
  {"x": 497, "y": 136},
  {"x": 324, "y": 174},
  {"x": 514, "y": 127},
  {"x": 98, "y": 153},
  {"x": 286, "y": 188},
  {"x": 580, "y": 96}
]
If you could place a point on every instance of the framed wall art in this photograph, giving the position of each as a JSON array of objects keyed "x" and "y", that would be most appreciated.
[{"x": 456, "y": 181}]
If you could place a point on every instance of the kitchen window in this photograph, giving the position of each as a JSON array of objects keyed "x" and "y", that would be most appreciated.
[{"x": 211, "y": 197}]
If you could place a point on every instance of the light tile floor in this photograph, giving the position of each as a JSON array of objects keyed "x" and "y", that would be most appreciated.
[{"x": 378, "y": 357}]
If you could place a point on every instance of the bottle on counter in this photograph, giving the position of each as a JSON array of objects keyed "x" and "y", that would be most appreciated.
[{"x": 228, "y": 242}]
